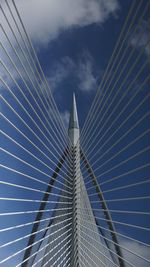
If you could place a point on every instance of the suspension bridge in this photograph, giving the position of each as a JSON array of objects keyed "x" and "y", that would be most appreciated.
[{"x": 71, "y": 197}]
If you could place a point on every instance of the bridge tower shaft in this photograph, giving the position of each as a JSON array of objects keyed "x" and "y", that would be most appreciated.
[{"x": 74, "y": 135}]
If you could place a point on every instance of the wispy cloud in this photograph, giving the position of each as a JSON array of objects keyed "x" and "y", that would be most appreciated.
[
  {"x": 141, "y": 38},
  {"x": 60, "y": 71},
  {"x": 45, "y": 20},
  {"x": 85, "y": 73},
  {"x": 45, "y": 24},
  {"x": 65, "y": 117},
  {"x": 82, "y": 70}
]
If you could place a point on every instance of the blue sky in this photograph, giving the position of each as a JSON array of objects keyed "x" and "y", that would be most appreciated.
[
  {"x": 74, "y": 42},
  {"x": 74, "y": 48},
  {"x": 77, "y": 58}
]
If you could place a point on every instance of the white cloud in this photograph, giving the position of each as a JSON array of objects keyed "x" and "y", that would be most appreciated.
[
  {"x": 60, "y": 71},
  {"x": 82, "y": 70},
  {"x": 45, "y": 19},
  {"x": 65, "y": 117},
  {"x": 85, "y": 73},
  {"x": 141, "y": 37}
]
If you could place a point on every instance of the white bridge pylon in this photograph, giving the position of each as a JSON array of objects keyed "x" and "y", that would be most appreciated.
[
  {"x": 83, "y": 220},
  {"x": 77, "y": 239}
]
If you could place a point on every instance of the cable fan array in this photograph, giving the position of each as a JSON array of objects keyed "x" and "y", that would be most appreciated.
[{"x": 59, "y": 207}]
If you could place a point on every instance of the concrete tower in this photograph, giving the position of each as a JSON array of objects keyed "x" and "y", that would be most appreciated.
[
  {"x": 74, "y": 135},
  {"x": 73, "y": 237},
  {"x": 85, "y": 234}
]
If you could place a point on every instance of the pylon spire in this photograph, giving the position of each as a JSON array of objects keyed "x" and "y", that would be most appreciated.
[
  {"x": 74, "y": 135},
  {"x": 73, "y": 130}
]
